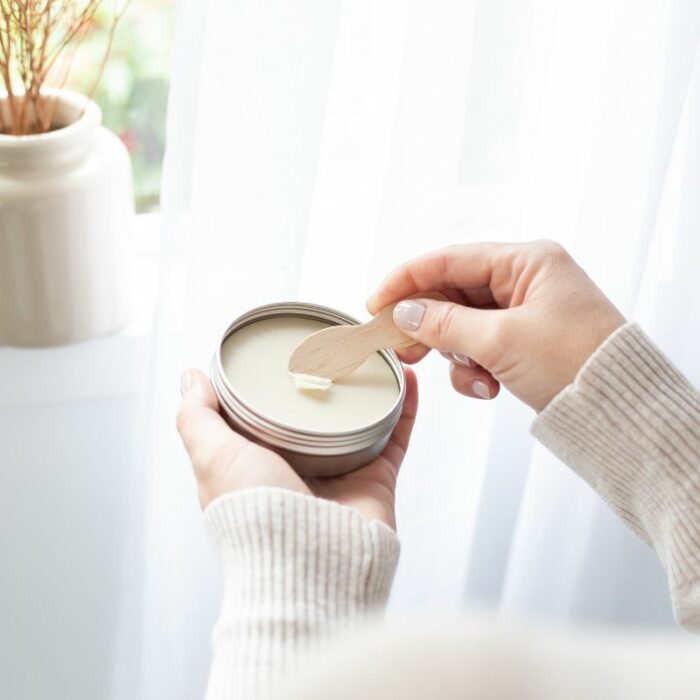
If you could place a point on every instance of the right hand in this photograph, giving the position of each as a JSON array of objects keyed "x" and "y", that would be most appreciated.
[{"x": 525, "y": 315}]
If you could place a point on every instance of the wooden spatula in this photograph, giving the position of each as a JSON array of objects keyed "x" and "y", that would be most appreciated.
[{"x": 337, "y": 351}]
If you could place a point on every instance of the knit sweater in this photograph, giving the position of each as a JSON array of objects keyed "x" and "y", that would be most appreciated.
[{"x": 299, "y": 570}]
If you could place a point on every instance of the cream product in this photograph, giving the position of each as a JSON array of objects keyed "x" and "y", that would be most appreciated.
[
  {"x": 254, "y": 360},
  {"x": 310, "y": 382},
  {"x": 320, "y": 429}
]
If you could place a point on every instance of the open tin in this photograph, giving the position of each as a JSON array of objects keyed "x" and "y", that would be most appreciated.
[{"x": 309, "y": 453}]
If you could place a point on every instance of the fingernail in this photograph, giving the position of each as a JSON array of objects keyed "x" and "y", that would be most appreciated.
[
  {"x": 408, "y": 315},
  {"x": 481, "y": 389},
  {"x": 186, "y": 381},
  {"x": 461, "y": 359}
]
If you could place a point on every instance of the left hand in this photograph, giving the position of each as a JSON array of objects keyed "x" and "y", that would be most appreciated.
[{"x": 225, "y": 461}]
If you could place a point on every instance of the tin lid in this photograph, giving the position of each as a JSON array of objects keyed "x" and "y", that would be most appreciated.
[{"x": 278, "y": 434}]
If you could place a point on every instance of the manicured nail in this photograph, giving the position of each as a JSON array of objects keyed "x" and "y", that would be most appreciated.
[
  {"x": 408, "y": 315},
  {"x": 481, "y": 389},
  {"x": 461, "y": 359},
  {"x": 186, "y": 381}
]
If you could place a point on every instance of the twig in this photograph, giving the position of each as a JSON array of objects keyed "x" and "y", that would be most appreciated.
[
  {"x": 108, "y": 50},
  {"x": 36, "y": 36}
]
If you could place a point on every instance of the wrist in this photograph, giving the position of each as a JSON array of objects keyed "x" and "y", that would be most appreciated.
[
  {"x": 588, "y": 338},
  {"x": 251, "y": 467}
]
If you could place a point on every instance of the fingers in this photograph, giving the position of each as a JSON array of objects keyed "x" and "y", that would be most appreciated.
[
  {"x": 202, "y": 429},
  {"x": 398, "y": 443},
  {"x": 451, "y": 328},
  {"x": 415, "y": 353},
  {"x": 412, "y": 354},
  {"x": 470, "y": 379},
  {"x": 458, "y": 358},
  {"x": 475, "y": 382},
  {"x": 468, "y": 266},
  {"x": 481, "y": 297}
]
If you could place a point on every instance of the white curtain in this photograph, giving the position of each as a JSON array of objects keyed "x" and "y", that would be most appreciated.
[{"x": 314, "y": 144}]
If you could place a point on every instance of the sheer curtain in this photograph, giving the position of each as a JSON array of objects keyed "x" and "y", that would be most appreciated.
[{"x": 312, "y": 145}]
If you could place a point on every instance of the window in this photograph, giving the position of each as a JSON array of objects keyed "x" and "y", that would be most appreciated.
[{"x": 133, "y": 90}]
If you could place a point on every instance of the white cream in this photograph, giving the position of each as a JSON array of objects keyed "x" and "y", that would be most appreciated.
[
  {"x": 309, "y": 382},
  {"x": 255, "y": 359}
]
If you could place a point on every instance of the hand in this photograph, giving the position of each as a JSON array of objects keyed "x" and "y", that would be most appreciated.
[
  {"x": 225, "y": 461},
  {"x": 525, "y": 315}
]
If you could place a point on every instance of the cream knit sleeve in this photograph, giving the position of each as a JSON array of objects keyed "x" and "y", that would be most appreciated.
[
  {"x": 630, "y": 426},
  {"x": 297, "y": 571}
]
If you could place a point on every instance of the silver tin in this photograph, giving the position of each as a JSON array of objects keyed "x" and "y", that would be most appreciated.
[{"x": 310, "y": 453}]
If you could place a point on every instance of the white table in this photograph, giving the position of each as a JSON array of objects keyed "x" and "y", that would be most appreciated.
[{"x": 69, "y": 563}]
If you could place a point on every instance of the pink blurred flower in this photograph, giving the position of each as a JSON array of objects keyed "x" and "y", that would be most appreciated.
[{"x": 130, "y": 140}]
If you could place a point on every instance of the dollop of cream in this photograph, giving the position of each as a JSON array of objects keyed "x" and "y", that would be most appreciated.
[{"x": 308, "y": 382}]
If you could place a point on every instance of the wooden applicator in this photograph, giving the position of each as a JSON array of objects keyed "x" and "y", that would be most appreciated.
[{"x": 337, "y": 351}]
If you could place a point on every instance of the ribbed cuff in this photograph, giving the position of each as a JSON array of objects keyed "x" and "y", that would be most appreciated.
[
  {"x": 297, "y": 570},
  {"x": 630, "y": 426}
]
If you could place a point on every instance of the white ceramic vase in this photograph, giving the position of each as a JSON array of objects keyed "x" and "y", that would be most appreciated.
[{"x": 66, "y": 211}]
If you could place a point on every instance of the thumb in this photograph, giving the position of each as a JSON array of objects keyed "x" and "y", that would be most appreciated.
[
  {"x": 202, "y": 429},
  {"x": 445, "y": 326}
]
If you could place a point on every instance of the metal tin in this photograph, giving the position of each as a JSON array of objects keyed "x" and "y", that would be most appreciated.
[{"x": 310, "y": 453}]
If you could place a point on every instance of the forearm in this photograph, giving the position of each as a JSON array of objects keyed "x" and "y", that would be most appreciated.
[
  {"x": 630, "y": 426},
  {"x": 298, "y": 570}
]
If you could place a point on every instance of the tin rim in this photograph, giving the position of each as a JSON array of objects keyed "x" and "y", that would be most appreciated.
[{"x": 286, "y": 436}]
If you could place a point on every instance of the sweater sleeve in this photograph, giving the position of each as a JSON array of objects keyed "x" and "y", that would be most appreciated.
[
  {"x": 297, "y": 571},
  {"x": 630, "y": 426}
]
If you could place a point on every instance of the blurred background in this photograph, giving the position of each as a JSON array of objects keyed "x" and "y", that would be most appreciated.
[
  {"x": 133, "y": 90},
  {"x": 264, "y": 138}
]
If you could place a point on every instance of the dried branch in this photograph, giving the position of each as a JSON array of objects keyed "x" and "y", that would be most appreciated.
[
  {"x": 38, "y": 40},
  {"x": 108, "y": 50}
]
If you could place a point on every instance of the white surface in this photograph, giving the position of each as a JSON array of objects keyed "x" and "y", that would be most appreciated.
[{"x": 70, "y": 507}]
